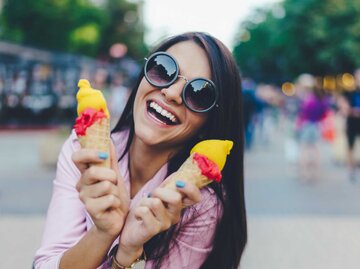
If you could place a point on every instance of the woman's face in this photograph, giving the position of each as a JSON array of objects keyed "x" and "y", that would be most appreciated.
[{"x": 179, "y": 123}]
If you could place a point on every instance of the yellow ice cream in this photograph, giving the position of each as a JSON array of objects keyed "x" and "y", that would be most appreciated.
[
  {"x": 214, "y": 150},
  {"x": 88, "y": 97}
]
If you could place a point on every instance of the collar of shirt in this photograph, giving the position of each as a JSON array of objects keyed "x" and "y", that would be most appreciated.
[{"x": 120, "y": 140}]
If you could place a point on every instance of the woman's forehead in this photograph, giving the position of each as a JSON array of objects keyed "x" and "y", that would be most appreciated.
[{"x": 192, "y": 59}]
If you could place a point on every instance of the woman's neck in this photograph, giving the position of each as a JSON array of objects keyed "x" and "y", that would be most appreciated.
[{"x": 144, "y": 163}]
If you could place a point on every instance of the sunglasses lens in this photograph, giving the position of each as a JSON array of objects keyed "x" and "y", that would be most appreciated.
[
  {"x": 161, "y": 70},
  {"x": 200, "y": 95}
]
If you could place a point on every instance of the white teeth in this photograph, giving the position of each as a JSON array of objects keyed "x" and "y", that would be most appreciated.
[{"x": 162, "y": 111}]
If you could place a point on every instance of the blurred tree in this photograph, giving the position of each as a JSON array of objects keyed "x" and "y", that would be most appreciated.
[
  {"x": 77, "y": 26},
  {"x": 65, "y": 25},
  {"x": 125, "y": 26},
  {"x": 294, "y": 37}
]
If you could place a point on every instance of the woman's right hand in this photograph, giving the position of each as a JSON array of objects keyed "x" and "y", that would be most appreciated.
[{"x": 102, "y": 191}]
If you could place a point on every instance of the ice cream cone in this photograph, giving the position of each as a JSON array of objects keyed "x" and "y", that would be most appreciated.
[
  {"x": 189, "y": 171},
  {"x": 92, "y": 125},
  {"x": 98, "y": 137},
  {"x": 203, "y": 166}
]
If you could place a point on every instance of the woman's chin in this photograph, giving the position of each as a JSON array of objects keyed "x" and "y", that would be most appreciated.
[{"x": 148, "y": 136}]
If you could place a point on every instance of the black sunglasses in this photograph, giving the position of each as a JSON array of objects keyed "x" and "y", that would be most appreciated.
[{"x": 199, "y": 94}]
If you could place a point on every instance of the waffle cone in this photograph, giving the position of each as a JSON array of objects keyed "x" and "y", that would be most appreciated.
[
  {"x": 98, "y": 137},
  {"x": 188, "y": 172}
]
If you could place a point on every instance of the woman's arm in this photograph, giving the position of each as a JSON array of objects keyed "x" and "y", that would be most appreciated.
[
  {"x": 66, "y": 243},
  {"x": 89, "y": 252},
  {"x": 66, "y": 217},
  {"x": 106, "y": 200},
  {"x": 194, "y": 241}
]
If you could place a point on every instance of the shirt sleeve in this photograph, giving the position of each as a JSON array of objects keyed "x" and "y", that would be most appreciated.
[
  {"x": 194, "y": 241},
  {"x": 66, "y": 218}
]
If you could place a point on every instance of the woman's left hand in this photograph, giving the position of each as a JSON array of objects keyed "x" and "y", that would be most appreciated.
[{"x": 154, "y": 214}]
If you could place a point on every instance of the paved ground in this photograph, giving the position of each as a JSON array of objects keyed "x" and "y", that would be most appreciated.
[
  {"x": 291, "y": 225},
  {"x": 296, "y": 225}
]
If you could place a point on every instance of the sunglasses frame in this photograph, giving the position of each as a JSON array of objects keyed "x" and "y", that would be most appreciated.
[{"x": 176, "y": 77}]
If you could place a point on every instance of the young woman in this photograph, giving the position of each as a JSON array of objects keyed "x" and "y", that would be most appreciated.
[
  {"x": 189, "y": 91},
  {"x": 313, "y": 109}
]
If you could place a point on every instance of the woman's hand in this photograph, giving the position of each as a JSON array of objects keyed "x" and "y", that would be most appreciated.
[
  {"x": 102, "y": 191},
  {"x": 154, "y": 214}
]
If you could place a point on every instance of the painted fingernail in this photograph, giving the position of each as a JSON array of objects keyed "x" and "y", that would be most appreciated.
[
  {"x": 149, "y": 195},
  {"x": 103, "y": 155},
  {"x": 180, "y": 184}
]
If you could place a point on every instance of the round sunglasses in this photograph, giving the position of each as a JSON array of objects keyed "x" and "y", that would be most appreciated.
[{"x": 199, "y": 94}]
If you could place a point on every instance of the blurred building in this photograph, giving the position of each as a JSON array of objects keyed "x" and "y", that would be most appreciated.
[{"x": 38, "y": 87}]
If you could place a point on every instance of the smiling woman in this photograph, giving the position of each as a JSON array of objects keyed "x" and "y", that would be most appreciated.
[
  {"x": 167, "y": 98},
  {"x": 189, "y": 90}
]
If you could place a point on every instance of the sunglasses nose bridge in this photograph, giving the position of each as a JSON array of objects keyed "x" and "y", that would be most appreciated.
[
  {"x": 184, "y": 78},
  {"x": 174, "y": 92}
]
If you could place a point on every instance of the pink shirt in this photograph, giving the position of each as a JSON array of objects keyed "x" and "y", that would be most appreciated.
[{"x": 67, "y": 220}]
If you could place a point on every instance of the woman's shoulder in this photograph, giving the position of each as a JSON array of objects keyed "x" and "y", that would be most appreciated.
[{"x": 71, "y": 144}]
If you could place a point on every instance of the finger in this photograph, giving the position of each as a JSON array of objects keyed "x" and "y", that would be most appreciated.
[
  {"x": 151, "y": 224},
  {"x": 172, "y": 201},
  {"x": 98, "y": 206},
  {"x": 84, "y": 157},
  {"x": 191, "y": 194},
  {"x": 158, "y": 210},
  {"x": 167, "y": 196},
  {"x": 99, "y": 189},
  {"x": 95, "y": 174}
]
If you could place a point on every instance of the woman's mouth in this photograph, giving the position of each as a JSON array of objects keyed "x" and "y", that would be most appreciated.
[{"x": 161, "y": 114}]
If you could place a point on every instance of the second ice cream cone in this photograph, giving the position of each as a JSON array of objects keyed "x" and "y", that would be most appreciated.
[{"x": 189, "y": 171}]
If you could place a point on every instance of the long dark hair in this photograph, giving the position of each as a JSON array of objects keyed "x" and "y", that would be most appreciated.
[{"x": 224, "y": 122}]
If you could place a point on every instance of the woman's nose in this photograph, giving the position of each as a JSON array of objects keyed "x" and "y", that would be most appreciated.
[{"x": 173, "y": 92}]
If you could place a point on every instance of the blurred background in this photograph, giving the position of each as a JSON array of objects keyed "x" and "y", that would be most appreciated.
[{"x": 298, "y": 61}]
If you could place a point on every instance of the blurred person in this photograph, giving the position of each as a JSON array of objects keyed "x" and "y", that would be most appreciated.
[
  {"x": 269, "y": 101},
  {"x": 101, "y": 80},
  {"x": 313, "y": 109},
  {"x": 14, "y": 111},
  {"x": 119, "y": 94},
  {"x": 251, "y": 105},
  {"x": 303, "y": 85},
  {"x": 66, "y": 106},
  {"x": 349, "y": 106},
  {"x": 111, "y": 216},
  {"x": 40, "y": 100}
]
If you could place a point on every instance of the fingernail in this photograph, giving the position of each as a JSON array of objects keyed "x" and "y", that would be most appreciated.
[
  {"x": 180, "y": 184},
  {"x": 103, "y": 155},
  {"x": 149, "y": 195}
]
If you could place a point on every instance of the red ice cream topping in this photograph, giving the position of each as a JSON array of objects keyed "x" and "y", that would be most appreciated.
[
  {"x": 208, "y": 168},
  {"x": 86, "y": 119}
]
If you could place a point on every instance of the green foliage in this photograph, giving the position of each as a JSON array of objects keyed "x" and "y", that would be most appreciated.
[
  {"x": 77, "y": 26},
  {"x": 124, "y": 27},
  {"x": 318, "y": 37}
]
